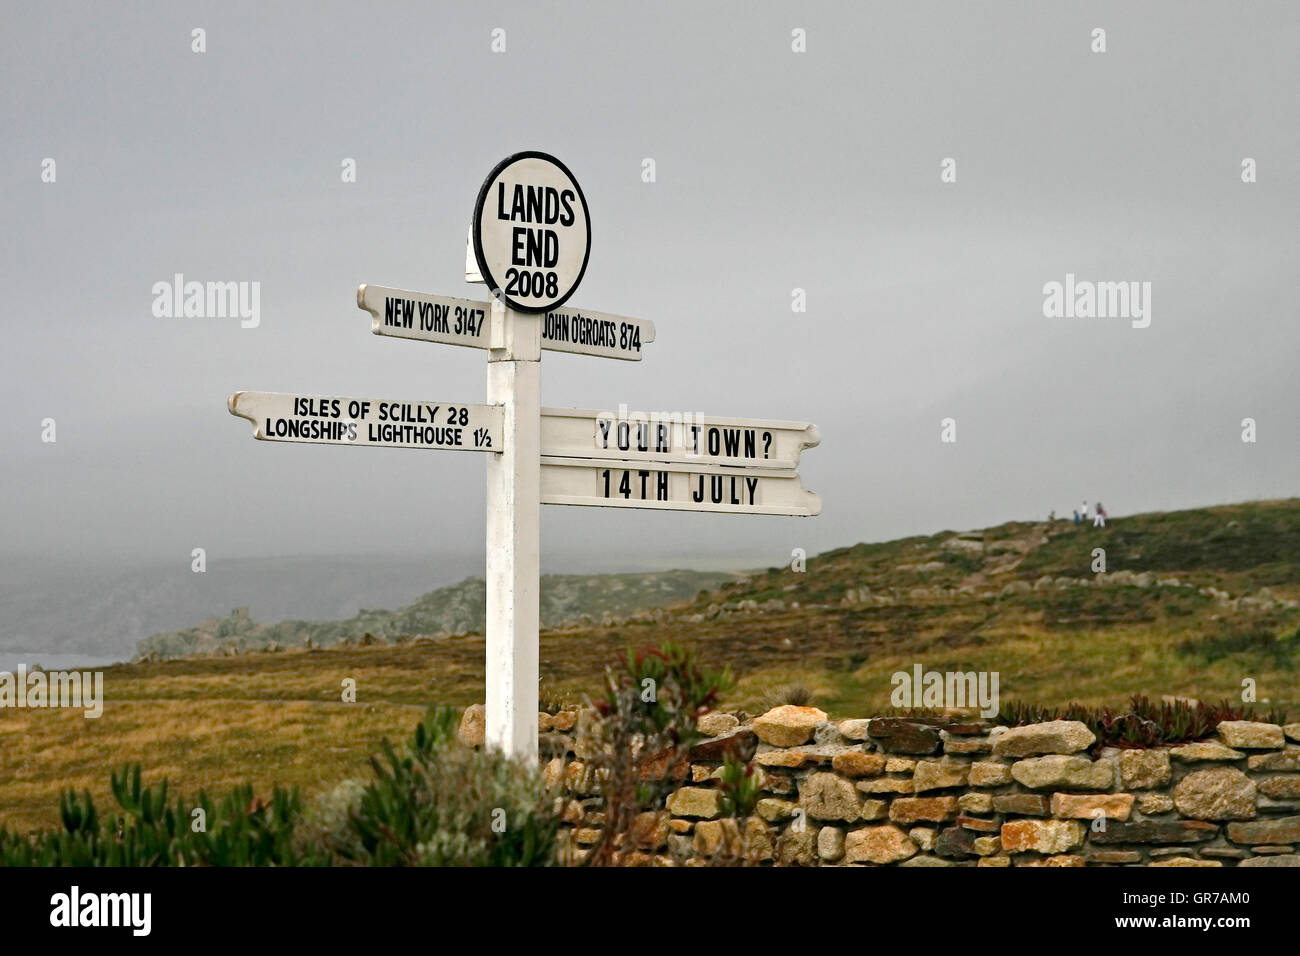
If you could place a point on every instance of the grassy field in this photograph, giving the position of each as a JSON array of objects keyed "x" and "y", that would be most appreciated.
[{"x": 975, "y": 601}]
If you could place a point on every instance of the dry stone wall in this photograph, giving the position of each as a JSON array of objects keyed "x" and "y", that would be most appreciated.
[{"x": 892, "y": 791}]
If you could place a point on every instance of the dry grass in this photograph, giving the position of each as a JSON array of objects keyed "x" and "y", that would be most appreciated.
[
  {"x": 218, "y": 721},
  {"x": 279, "y": 719},
  {"x": 197, "y": 744}
]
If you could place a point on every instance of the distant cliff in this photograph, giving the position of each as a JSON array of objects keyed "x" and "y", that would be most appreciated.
[{"x": 456, "y": 609}]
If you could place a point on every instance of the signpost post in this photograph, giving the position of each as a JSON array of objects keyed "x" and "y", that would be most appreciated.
[
  {"x": 514, "y": 522},
  {"x": 531, "y": 236},
  {"x": 530, "y": 239}
]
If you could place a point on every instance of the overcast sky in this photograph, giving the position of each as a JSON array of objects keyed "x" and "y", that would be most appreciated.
[{"x": 775, "y": 170}]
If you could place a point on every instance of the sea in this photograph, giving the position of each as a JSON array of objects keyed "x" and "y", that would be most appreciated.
[{"x": 9, "y": 661}]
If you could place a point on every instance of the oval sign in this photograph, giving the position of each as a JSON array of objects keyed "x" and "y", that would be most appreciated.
[{"x": 532, "y": 232}]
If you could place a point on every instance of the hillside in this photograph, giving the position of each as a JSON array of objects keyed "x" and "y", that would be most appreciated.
[
  {"x": 1192, "y": 603},
  {"x": 457, "y": 609}
]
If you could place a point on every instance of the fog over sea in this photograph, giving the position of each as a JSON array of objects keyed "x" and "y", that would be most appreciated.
[
  {"x": 10, "y": 661},
  {"x": 56, "y": 609}
]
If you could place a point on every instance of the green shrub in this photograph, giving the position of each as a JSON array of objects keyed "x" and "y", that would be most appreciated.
[
  {"x": 327, "y": 821},
  {"x": 741, "y": 786},
  {"x": 441, "y": 804},
  {"x": 642, "y": 738},
  {"x": 238, "y": 831},
  {"x": 963, "y": 561}
]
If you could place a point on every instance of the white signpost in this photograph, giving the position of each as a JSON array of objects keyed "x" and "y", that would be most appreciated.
[
  {"x": 676, "y": 437},
  {"x": 429, "y": 318},
  {"x": 530, "y": 237},
  {"x": 669, "y": 486},
  {"x": 337, "y": 420},
  {"x": 596, "y": 333},
  {"x": 452, "y": 321},
  {"x": 531, "y": 232}
]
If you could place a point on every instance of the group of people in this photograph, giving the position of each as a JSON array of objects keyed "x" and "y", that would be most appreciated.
[
  {"x": 1098, "y": 514},
  {"x": 1082, "y": 514}
]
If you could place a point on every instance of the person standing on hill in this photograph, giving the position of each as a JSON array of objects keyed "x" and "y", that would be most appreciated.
[
  {"x": 1099, "y": 517},
  {"x": 1083, "y": 510}
]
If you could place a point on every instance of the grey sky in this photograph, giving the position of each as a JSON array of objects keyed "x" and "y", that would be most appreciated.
[{"x": 775, "y": 170}]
